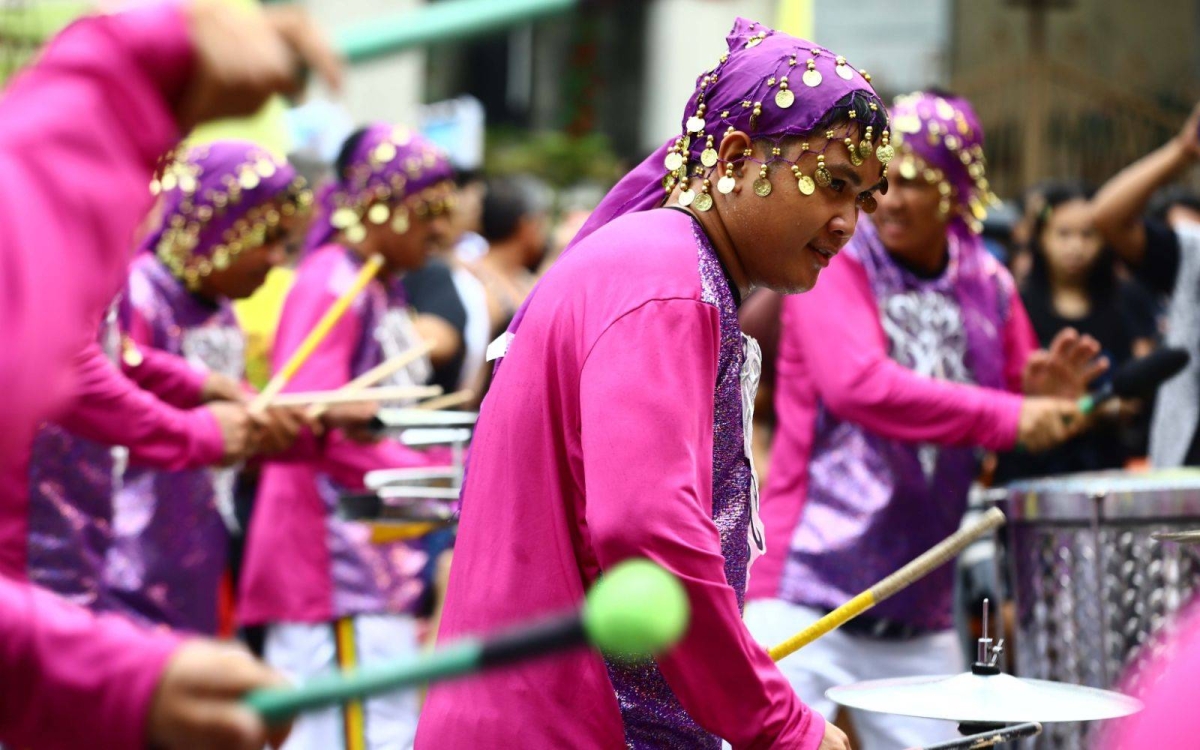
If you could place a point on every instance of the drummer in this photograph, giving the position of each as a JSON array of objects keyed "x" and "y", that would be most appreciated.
[{"x": 912, "y": 352}]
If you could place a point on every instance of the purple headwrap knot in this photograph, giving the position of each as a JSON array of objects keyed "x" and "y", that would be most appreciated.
[
  {"x": 217, "y": 200},
  {"x": 939, "y": 139}
]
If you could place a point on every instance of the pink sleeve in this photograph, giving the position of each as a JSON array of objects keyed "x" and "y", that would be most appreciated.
[
  {"x": 329, "y": 367},
  {"x": 834, "y": 333},
  {"x": 167, "y": 376},
  {"x": 109, "y": 408},
  {"x": 1020, "y": 341},
  {"x": 646, "y": 411},
  {"x": 69, "y": 679},
  {"x": 80, "y": 132}
]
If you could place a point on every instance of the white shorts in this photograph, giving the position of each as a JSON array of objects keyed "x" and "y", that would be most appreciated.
[
  {"x": 302, "y": 651},
  {"x": 839, "y": 659}
]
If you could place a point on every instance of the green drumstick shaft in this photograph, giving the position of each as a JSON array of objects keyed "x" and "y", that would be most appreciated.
[
  {"x": 276, "y": 705},
  {"x": 637, "y": 609}
]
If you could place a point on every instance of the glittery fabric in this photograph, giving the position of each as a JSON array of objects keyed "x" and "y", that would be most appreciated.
[
  {"x": 71, "y": 485},
  {"x": 652, "y": 714},
  {"x": 169, "y": 544},
  {"x": 375, "y": 577},
  {"x": 873, "y": 503}
]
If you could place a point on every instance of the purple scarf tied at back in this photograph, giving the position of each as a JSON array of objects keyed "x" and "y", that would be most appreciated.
[{"x": 742, "y": 92}]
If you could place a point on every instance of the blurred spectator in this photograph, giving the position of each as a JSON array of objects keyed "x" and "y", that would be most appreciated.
[
  {"x": 515, "y": 224},
  {"x": 1167, "y": 258},
  {"x": 1073, "y": 283}
]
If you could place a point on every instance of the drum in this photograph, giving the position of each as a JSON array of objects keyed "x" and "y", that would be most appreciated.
[{"x": 1092, "y": 587}]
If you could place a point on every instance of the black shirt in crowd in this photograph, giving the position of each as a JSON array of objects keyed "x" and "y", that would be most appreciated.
[{"x": 431, "y": 291}]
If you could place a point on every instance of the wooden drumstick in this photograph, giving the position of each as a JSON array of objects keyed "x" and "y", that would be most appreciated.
[
  {"x": 450, "y": 399},
  {"x": 378, "y": 373},
  {"x": 928, "y": 562},
  {"x": 368, "y": 272},
  {"x": 340, "y": 396}
]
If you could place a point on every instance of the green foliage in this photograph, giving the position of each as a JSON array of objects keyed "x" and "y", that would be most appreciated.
[{"x": 560, "y": 159}]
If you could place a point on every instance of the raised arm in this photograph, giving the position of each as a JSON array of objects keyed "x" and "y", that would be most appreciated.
[
  {"x": 647, "y": 430},
  {"x": 1121, "y": 203}
]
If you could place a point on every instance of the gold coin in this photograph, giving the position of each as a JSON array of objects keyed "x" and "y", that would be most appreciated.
[
  {"x": 784, "y": 98},
  {"x": 248, "y": 180},
  {"x": 385, "y": 152},
  {"x": 885, "y": 153},
  {"x": 812, "y": 78},
  {"x": 686, "y": 197},
  {"x": 265, "y": 167},
  {"x": 343, "y": 218},
  {"x": 726, "y": 185},
  {"x": 762, "y": 187},
  {"x": 822, "y": 176},
  {"x": 695, "y": 124},
  {"x": 806, "y": 184},
  {"x": 844, "y": 72},
  {"x": 708, "y": 157},
  {"x": 168, "y": 181},
  {"x": 187, "y": 183},
  {"x": 703, "y": 202},
  {"x": 378, "y": 214},
  {"x": 908, "y": 170},
  {"x": 673, "y": 161},
  {"x": 400, "y": 222}
]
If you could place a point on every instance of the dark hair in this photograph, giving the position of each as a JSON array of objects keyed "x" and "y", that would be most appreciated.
[
  {"x": 858, "y": 102},
  {"x": 1102, "y": 278},
  {"x": 346, "y": 152},
  {"x": 506, "y": 201}
]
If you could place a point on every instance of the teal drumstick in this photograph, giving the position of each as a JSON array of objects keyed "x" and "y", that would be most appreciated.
[{"x": 636, "y": 610}]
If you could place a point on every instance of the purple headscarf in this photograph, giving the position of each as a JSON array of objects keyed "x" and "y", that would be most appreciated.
[
  {"x": 389, "y": 168},
  {"x": 769, "y": 85},
  {"x": 940, "y": 139},
  {"x": 217, "y": 200}
]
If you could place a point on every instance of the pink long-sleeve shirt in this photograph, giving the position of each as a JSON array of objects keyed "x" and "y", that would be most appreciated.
[
  {"x": 880, "y": 400},
  {"x": 303, "y": 564},
  {"x": 614, "y": 429},
  {"x": 80, "y": 132}
]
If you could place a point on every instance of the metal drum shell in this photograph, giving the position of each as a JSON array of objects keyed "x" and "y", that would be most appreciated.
[{"x": 1092, "y": 589}]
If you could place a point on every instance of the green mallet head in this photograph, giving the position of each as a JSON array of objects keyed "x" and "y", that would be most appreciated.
[{"x": 636, "y": 610}]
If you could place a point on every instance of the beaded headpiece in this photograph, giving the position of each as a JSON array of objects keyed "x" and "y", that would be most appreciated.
[
  {"x": 392, "y": 174},
  {"x": 218, "y": 200},
  {"x": 772, "y": 86},
  {"x": 939, "y": 140}
]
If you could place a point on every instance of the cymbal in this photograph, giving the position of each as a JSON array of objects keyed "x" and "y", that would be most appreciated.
[
  {"x": 999, "y": 699},
  {"x": 1183, "y": 537}
]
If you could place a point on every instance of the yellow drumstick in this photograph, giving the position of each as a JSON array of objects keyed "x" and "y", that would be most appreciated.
[
  {"x": 931, "y": 560},
  {"x": 369, "y": 270},
  {"x": 450, "y": 399}
]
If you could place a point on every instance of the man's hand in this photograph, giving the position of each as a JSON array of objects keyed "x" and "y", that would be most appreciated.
[
  {"x": 197, "y": 705},
  {"x": 235, "y": 424},
  {"x": 1047, "y": 422},
  {"x": 1189, "y": 138},
  {"x": 834, "y": 739},
  {"x": 276, "y": 428},
  {"x": 1066, "y": 369},
  {"x": 354, "y": 420},
  {"x": 244, "y": 55}
]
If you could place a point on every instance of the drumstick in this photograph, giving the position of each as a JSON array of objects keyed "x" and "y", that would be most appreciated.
[
  {"x": 369, "y": 270},
  {"x": 379, "y": 372},
  {"x": 341, "y": 396},
  {"x": 450, "y": 399},
  {"x": 928, "y": 562},
  {"x": 635, "y": 610},
  {"x": 988, "y": 739}
]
